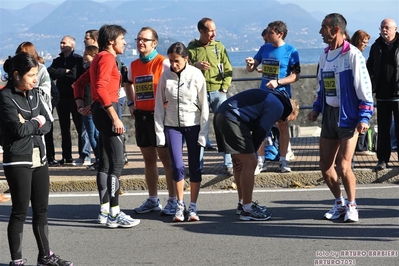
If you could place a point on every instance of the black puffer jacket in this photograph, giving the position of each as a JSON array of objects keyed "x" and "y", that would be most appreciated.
[{"x": 20, "y": 133}]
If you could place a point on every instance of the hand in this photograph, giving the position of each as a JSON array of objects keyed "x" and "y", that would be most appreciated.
[
  {"x": 118, "y": 127},
  {"x": 362, "y": 127},
  {"x": 86, "y": 111},
  {"x": 41, "y": 119},
  {"x": 272, "y": 84},
  {"x": 250, "y": 62},
  {"x": 203, "y": 65},
  {"x": 312, "y": 116},
  {"x": 132, "y": 108}
]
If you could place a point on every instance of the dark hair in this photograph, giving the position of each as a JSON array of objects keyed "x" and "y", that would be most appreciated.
[
  {"x": 29, "y": 48},
  {"x": 93, "y": 34},
  {"x": 358, "y": 38},
  {"x": 154, "y": 33},
  {"x": 21, "y": 63},
  {"x": 107, "y": 34},
  {"x": 178, "y": 48},
  {"x": 279, "y": 27},
  {"x": 91, "y": 50},
  {"x": 264, "y": 32},
  {"x": 336, "y": 19},
  {"x": 201, "y": 24}
]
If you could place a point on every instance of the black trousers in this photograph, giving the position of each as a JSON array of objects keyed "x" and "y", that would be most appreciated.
[
  {"x": 28, "y": 185},
  {"x": 385, "y": 109},
  {"x": 65, "y": 107}
]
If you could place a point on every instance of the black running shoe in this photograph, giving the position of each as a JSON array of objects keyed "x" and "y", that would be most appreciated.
[{"x": 52, "y": 260}]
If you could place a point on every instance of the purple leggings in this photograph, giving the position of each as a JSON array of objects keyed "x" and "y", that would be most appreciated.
[{"x": 175, "y": 137}]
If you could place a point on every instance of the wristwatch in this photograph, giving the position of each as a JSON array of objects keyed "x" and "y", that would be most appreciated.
[
  {"x": 130, "y": 102},
  {"x": 278, "y": 82}
]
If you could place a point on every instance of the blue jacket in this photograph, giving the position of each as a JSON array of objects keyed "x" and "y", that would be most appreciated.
[{"x": 354, "y": 86}]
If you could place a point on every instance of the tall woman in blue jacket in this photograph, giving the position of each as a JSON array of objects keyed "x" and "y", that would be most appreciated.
[{"x": 23, "y": 122}]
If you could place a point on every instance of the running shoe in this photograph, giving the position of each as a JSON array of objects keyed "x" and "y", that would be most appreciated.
[
  {"x": 17, "y": 263},
  {"x": 121, "y": 220},
  {"x": 351, "y": 215},
  {"x": 102, "y": 218},
  {"x": 284, "y": 167},
  {"x": 52, "y": 260},
  {"x": 192, "y": 214},
  {"x": 179, "y": 215},
  {"x": 254, "y": 214},
  {"x": 255, "y": 205},
  {"x": 336, "y": 211},
  {"x": 149, "y": 206},
  {"x": 170, "y": 208}
]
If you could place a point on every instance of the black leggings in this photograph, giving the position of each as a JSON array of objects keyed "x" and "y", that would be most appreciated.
[
  {"x": 110, "y": 147},
  {"x": 28, "y": 184}
]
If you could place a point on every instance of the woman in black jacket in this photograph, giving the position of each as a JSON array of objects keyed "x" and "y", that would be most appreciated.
[{"x": 23, "y": 122}]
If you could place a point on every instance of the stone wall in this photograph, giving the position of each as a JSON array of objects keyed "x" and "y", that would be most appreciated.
[{"x": 303, "y": 91}]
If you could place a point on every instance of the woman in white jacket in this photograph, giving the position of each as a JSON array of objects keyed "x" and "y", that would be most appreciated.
[{"x": 181, "y": 114}]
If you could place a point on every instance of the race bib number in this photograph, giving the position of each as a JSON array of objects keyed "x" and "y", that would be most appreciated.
[
  {"x": 329, "y": 83},
  {"x": 270, "y": 69},
  {"x": 144, "y": 87}
]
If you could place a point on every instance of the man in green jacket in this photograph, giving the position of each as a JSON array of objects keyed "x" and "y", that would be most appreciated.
[{"x": 210, "y": 56}]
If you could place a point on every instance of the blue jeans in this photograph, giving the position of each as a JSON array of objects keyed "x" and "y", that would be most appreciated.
[
  {"x": 86, "y": 150},
  {"x": 121, "y": 102},
  {"x": 92, "y": 134},
  {"x": 215, "y": 99}
]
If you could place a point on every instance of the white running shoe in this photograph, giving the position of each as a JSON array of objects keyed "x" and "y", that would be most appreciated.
[
  {"x": 351, "y": 215},
  {"x": 121, "y": 220}
]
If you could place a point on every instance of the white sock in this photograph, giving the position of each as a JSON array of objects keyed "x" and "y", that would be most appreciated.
[
  {"x": 282, "y": 159},
  {"x": 114, "y": 211},
  {"x": 247, "y": 207},
  {"x": 153, "y": 198},
  {"x": 173, "y": 199},
  {"x": 340, "y": 199},
  {"x": 104, "y": 208}
]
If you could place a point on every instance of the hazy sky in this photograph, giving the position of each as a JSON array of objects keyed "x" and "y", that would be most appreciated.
[{"x": 326, "y": 6}]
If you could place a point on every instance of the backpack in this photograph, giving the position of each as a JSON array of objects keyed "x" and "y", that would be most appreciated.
[{"x": 271, "y": 149}]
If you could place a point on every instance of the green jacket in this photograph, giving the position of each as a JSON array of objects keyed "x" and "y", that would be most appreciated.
[{"x": 215, "y": 53}]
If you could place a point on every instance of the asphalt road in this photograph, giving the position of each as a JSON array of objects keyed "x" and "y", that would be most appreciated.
[{"x": 296, "y": 235}]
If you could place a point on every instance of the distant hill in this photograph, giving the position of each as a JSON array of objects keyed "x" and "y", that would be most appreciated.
[{"x": 239, "y": 23}]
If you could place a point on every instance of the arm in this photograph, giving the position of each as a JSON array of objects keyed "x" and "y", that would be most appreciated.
[
  {"x": 129, "y": 90},
  {"x": 159, "y": 111},
  {"x": 228, "y": 70},
  {"x": 203, "y": 100},
  {"x": 13, "y": 119},
  {"x": 251, "y": 64},
  {"x": 80, "y": 84}
]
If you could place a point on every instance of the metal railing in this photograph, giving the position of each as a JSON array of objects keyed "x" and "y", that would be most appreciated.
[{"x": 303, "y": 107}]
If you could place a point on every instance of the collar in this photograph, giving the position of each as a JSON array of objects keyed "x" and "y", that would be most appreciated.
[
  {"x": 345, "y": 48},
  {"x": 149, "y": 57}
]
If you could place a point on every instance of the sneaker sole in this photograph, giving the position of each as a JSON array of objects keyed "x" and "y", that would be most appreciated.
[
  {"x": 249, "y": 218},
  {"x": 147, "y": 211},
  {"x": 193, "y": 219},
  {"x": 177, "y": 219},
  {"x": 136, "y": 222},
  {"x": 334, "y": 217}
]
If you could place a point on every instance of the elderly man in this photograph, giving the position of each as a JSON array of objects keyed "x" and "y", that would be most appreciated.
[
  {"x": 383, "y": 67},
  {"x": 65, "y": 70}
]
